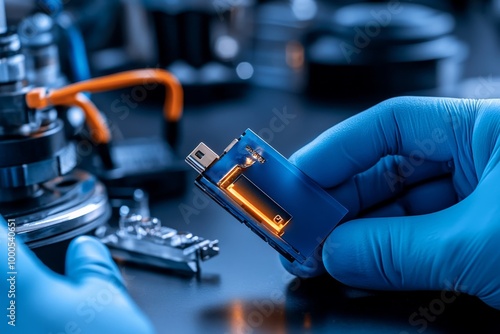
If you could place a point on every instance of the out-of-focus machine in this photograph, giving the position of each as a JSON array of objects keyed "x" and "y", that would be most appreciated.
[
  {"x": 205, "y": 44},
  {"x": 41, "y": 189}
]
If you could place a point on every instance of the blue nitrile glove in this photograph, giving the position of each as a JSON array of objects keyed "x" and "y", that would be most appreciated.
[
  {"x": 413, "y": 159},
  {"x": 91, "y": 297}
]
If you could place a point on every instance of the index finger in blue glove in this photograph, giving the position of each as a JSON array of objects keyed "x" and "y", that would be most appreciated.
[
  {"x": 424, "y": 198},
  {"x": 388, "y": 179},
  {"x": 417, "y": 127}
]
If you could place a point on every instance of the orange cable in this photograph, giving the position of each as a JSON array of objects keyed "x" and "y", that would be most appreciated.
[{"x": 71, "y": 96}]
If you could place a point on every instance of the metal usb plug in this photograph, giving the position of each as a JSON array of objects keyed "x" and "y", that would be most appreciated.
[{"x": 201, "y": 158}]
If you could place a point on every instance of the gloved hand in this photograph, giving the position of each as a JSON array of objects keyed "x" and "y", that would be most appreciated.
[
  {"x": 91, "y": 298},
  {"x": 431, "y": 167}
]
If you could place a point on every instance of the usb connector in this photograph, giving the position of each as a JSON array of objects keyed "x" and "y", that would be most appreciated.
[{"x": 201, "y": 158}]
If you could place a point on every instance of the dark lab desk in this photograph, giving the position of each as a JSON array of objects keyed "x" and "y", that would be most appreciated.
[{"x": 245, "y": 290}]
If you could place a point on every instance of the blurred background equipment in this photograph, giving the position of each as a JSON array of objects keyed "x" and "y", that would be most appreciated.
[
  {"x": 218, "y": 48},
  {"x": 149, "y": 163},
  {"x": 337, "y": 50},
  {"x": 205, "y": 44},
  {"x": 41, "y": 40},
  {"x": 383, "y": 50},
  {"x": 41, "y": 50},
  {"x": 139, "y": 238},
  {"x": 41, "y": 126},
  {"x": 146, "y": 163},
  {"x": 39, "y": 188}
]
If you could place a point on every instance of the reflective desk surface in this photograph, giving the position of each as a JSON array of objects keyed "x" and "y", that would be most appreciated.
[{"x": 244, "y": 289}]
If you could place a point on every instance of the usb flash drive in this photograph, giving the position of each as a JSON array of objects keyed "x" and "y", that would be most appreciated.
[{"x": 262, "y": 189}]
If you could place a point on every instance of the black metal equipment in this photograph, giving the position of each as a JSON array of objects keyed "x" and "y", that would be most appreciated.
[
  {"x": 39, "y": 188},
  {"x": 374, "y": 49},
  {"x": 42, "y": 190}
]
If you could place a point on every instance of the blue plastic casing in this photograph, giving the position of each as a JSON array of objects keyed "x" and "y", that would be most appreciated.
[{"x": 311, "y": 213}]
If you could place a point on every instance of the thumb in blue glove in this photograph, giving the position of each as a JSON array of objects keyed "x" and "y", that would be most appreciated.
[
  {"x": 421, "y": 179},
  {"x": 91, "y": 298}
]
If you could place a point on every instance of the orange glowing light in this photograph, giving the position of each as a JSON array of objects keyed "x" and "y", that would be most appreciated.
[
  {"x": 295, "y": 55},
  {"x": 237, "y": 318},
  {"x": 307, "y": 321},
  {"x": 278, "y": 227}
]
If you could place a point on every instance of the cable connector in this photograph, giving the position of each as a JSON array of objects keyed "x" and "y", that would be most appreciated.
[{"x": 201, "y": 158}]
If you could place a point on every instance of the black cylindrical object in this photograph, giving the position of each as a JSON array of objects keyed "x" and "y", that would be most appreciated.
[
  {"x": 202, "y": 43},
  {"x": 39, "y": 44},
  {"x": 382, "y": 50}
]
